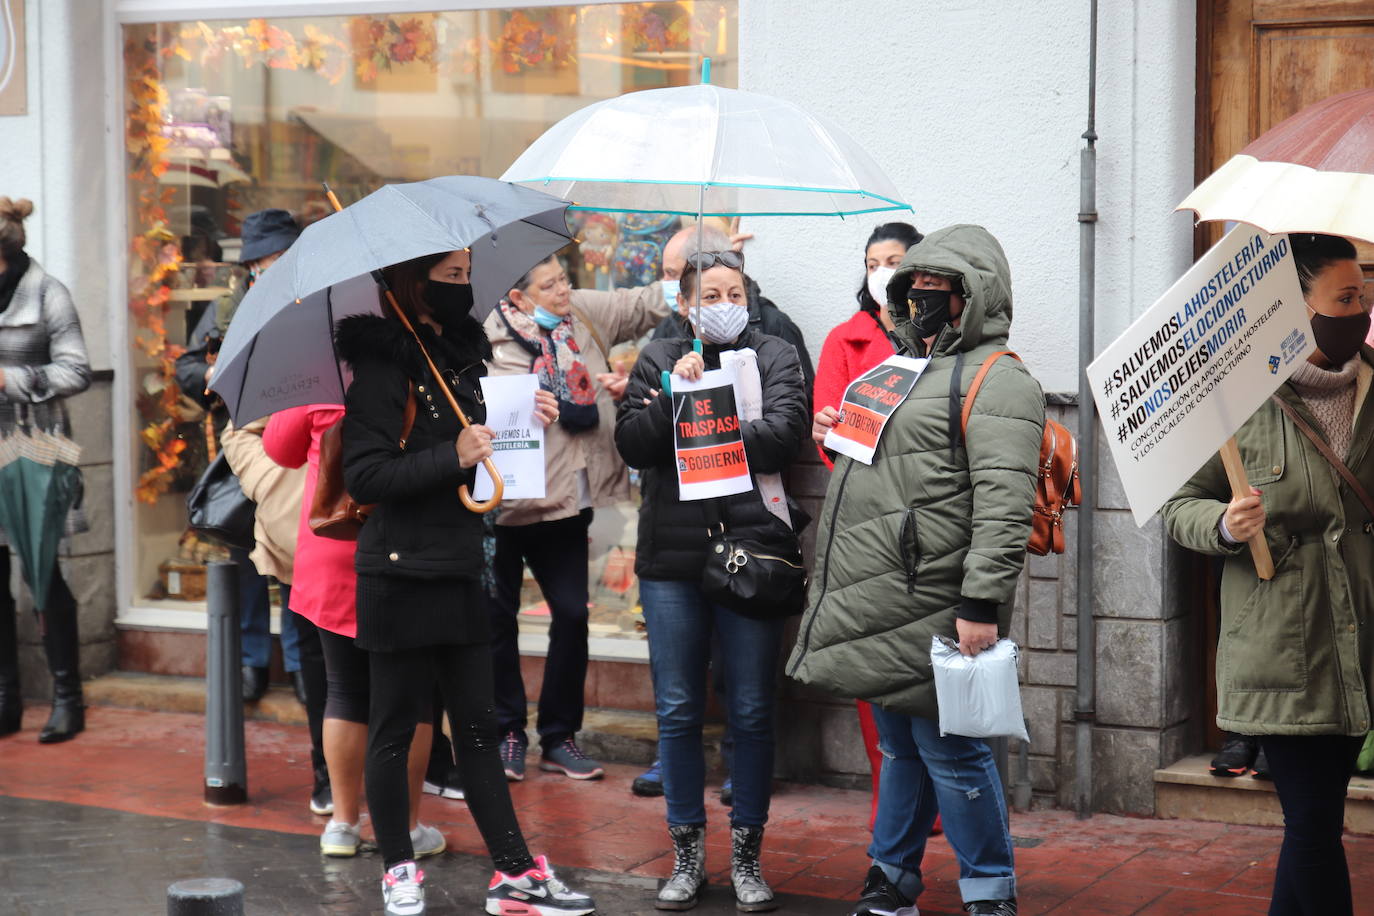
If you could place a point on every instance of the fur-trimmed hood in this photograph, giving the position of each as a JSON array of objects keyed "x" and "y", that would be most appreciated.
[{"x": 362, "y": 337}]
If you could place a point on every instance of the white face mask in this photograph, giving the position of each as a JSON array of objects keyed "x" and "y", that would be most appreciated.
[
  {"x": 877, "y": 283},
  {"x": 670, "y": 290},
  {"x": 722, "y": 322}
]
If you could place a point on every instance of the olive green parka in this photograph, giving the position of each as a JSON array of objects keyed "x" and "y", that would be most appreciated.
[
  {"x": 1296, "y": 653},
  {"x": 934, "y": 529}
]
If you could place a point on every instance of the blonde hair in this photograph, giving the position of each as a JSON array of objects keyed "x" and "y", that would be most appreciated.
[{"x": 12, "y": 216}]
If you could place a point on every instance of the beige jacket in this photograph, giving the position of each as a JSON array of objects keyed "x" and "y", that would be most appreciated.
[
  {"x": 619, "y": 316},
  {"x": 277, "y": 491}
]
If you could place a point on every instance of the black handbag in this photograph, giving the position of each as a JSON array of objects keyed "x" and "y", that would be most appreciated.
[
  {"x": 764, "y": 579},
  {"x": 218, "y": 509}
]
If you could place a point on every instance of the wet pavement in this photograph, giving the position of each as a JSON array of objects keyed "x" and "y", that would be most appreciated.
[{"x": 103, "y": 824}]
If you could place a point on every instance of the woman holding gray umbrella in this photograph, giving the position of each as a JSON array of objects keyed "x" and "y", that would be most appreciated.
[
  {"x": 42, "y": 361},
  {"x": 420, "y": 609}
]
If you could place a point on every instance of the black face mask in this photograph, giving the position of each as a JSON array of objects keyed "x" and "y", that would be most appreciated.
[
  {"x": 1339, "y": 338},
  {"x": 929, "y": 311},
  {"x": 449, "y": 302}
]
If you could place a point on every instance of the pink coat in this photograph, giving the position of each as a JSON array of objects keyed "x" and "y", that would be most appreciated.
[{"x": 324, "y": 588}]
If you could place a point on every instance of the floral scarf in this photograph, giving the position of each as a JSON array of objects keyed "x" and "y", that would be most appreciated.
[{"x": 558, "y": 363}]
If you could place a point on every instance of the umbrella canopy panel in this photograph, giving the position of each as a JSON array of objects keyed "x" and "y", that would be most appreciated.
[
  {"x": 279, "y": 352},
  {"x": 655, "y": 151},
  {"x": 1313, "y": 172}
]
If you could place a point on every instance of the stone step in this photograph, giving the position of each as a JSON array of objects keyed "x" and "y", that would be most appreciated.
[
  {"x": 1187, "y": 790},
  {"x": 612, "y": 735}
]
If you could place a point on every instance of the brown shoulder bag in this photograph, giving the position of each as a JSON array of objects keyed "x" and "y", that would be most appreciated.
[
  {"x": 1057, "y": 486},
  {"x": 333, "y": 513}
]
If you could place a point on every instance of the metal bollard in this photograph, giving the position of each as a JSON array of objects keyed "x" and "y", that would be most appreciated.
[
  {"x": 205, "y": 897},
  {"x": 226, "y": 772}
]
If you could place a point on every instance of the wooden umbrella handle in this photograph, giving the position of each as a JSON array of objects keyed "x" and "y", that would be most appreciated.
[
  {"x": 464, "y": 495},
  {"x": 1240, "y": 487},
  {"x": 498, "y": 484}
]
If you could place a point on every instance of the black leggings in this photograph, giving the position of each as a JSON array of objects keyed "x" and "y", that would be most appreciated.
[
  {"x": 1311, "y": 773},
  {"x": 402, "y": 683}
]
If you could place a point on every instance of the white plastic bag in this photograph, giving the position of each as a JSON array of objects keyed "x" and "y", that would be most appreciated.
[{"x": 979, "y": 697}]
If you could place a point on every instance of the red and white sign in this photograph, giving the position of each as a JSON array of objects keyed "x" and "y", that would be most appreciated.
[
  {"x": 706, "y": 433},
  {"x": 869, "y": 402}
]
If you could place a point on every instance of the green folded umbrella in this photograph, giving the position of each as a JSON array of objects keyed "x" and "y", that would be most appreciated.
[{"x": 39, "y": 484}]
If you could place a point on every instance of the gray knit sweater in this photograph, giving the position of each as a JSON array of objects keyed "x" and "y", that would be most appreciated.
[{"x": 1330, "y": 395}]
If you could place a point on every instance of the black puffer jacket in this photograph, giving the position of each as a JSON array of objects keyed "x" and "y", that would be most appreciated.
[
  {"x": 672, "y": 533},
  {"x": 418, "y": 528}
]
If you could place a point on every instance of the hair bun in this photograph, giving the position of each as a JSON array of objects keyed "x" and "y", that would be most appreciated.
[{"x": 17, "y": 210}]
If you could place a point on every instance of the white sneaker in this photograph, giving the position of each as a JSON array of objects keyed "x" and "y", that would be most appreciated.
[
  {"x": 403, "y": 890},
  {"x": 340, "y": 839},
  {"x": 445, "y": 791},
  {"x": 427, "y": 841}
]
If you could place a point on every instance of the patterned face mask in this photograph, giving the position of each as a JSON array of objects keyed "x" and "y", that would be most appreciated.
[{"x": 722, "y": 322}]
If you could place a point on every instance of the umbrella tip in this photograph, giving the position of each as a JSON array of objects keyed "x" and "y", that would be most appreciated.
[{"x": 706, "y": 71}]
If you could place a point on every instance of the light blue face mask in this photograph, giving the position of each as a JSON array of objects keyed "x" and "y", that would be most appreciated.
[
  {"x": 546, "y": 319},
  {"x": 670, "y": 290}
]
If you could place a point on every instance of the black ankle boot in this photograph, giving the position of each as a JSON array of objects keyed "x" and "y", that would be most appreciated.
[
  {"x": 11, "y": 701},
  {"x": 60, "y": 642},
  {"x": 11, "y": 708}
]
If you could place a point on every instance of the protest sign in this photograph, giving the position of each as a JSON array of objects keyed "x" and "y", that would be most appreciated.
[
  {"x": 518, "y": 441},
  {"x": 869, "y": 403},
  {"x": 710, "y": 450},
  {"x": 1175, "y": 387}
]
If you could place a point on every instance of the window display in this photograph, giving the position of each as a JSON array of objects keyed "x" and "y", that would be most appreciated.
[{"x": 226, "y": 118}]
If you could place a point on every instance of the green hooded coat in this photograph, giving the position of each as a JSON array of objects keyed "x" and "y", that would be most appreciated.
[
  {"x": 1296, "y": 653},
  {"x": 933, "y": 529}
]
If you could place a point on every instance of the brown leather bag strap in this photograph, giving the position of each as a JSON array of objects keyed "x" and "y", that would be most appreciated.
[
  {"x": 978, "y": 383},
  {"x": 408, "y": 423},
  {"x": 591, "y": 327},
  {"x": 1328, "y": 453}
]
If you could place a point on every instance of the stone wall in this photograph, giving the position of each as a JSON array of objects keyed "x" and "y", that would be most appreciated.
[
  {"x": 87, "y": 560},
  {"x": 1147, "y": 709}
]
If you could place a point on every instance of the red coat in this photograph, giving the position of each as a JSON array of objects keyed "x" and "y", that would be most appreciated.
[
  {"x": 853, "y": 347},
  {"x": 324, "y": 590}
]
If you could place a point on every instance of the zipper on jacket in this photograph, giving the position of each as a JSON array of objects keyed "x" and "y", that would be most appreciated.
[
  {"x": 825, "y": 570},
  {"x": 908, "y": 546}
]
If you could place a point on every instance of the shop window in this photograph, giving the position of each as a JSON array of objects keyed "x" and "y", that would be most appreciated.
[{"x": 228, "y": 117}]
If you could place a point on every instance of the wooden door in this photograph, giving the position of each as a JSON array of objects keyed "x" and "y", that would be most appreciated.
[{"x": 1260, "y": 61}]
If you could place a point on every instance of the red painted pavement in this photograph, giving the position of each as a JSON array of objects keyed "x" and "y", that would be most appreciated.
[{"x": 150, "y": 763}]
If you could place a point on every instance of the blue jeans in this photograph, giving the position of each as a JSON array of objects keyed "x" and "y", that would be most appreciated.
[
  {"x": 680, "y": 621},
  {"x": 255, "y": 618},
  {"x": 921, "y": 769}
]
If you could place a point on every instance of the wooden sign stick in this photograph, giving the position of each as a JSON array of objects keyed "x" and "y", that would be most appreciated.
[{"x": 1240, "y": 486}]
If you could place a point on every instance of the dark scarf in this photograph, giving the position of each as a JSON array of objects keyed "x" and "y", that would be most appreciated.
[
  {"x": 17, "y": 266},
  {"x": 557, "y": 360}
]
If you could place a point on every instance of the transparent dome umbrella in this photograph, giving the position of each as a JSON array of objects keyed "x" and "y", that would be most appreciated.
[{"x": 701, "y": 151}]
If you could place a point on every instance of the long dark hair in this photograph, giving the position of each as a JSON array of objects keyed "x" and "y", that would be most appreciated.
[
  {"x": 905, "y": 233},
  {"x": 407, "y": 282},
  {"x": 1314, "y": 252}
]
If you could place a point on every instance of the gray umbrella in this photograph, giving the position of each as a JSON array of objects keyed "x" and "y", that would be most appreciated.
[{"x": 279, "y": 349}]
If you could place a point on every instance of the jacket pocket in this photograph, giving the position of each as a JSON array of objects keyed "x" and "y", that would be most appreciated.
[
  {"x": 1264, "y": 648},
  {"x": 909, "y": 547}
]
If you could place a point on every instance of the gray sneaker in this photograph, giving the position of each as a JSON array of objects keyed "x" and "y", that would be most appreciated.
[
  {"x": 567, "y": 758},
  {"x": 513, "y": 755},
  {"x": 427, "y": 841},
  {"x": 340, "y": 839}
]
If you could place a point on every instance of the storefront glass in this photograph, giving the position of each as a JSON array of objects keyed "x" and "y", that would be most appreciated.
[{"x": 228, "y": 117}]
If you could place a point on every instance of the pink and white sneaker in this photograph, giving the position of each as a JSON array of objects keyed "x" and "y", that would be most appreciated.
[
  {"x": 537, "y": 892},
  {"x": 403, "y": 890}
]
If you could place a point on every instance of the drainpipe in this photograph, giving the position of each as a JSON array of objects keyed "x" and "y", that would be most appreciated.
[{"x": 1085, "y": 703}]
